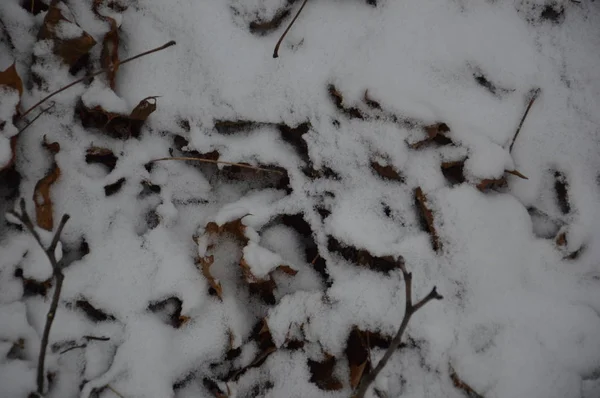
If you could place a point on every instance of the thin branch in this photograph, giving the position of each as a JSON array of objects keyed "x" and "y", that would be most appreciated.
[
  {"x": 115, "y": 391},
  {"x": 102, "y": 338},
  {"x": 276, "y": 51},
  {"x": 72, "y": 348},
  {"x": 93, "y": 74},
  {"x": 534, "y": 94},
  {"x": 246, "y": 166},
  {"x": 410, "y": 309},
  {"x": 36, "y": 118},
  {"x": 58, "y": 275}
]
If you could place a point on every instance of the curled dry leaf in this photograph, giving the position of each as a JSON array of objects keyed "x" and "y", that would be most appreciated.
[
  {"x": 115, "y": 124},
  {"x": 69, "y": 50},
  {"x": 41, "y": 193}
]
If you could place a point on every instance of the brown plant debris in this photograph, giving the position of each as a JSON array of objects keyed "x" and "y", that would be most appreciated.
[
  {"x": 435, "y": 134},
  {"x": 322, "y": 373},
  {"x": 103, "y": 156},
  {"x": 387, "y": 172},
  {"x": 261, "y": 334},
  {"x": 533, "y": 94},
  {"x": 115, "y": 187},
  {"x": 262, "y": 27},
  {"x": 69, "y": 50},
  {"x": 338, "y": 100},
  {"x": 358, "y": 355},
  {"x": 488, "y": 184},
  {"x": 204, "y": 264},
  {"x": 93, "y": 313},
  {"x": 371, "y": 103},
  {"x": 461, "y": 385},
  {"x": 41, "y": 193},
  {"x": 361, "y": 257},
  {"x": 454, "y": 171},
  {"x": 170, "y": 311},
  {"x": 426, "y": 216},
  {"x": 114, "y": 124}
]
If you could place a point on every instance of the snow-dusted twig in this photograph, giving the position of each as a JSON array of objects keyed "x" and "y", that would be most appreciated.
[
  {"x": 276, "y": 51},
  {"x": 245, "y": 166},
  {"x": 409, "y": 310},
  {"x": 533, "y": 95},
  {"x": 58, "y": 276},
  {"x": 96, "y": 73}
]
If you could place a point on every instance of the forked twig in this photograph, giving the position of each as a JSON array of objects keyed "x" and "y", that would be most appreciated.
[
  {"x": 58, "y": 275},
  {"x": 96, "y": 73},
  {"x": 534, "y": 94},
  {"x": 409, "y": 310},
  {"x": 245, "y": 166},
  {"x": 276, "y": 51}
]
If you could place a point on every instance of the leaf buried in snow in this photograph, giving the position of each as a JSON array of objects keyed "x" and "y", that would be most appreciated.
[
  {"x": 362, "y": 257},
  {"x": 436, "y": 133},
  {"x": 109, "y": 57},
  {"x": 115, "y": 187},
  {"x": 454, "y": 172},
  {"x": 357, "y": 353},
  {"x": 491, "y": 183},
  {"x": 561, "y": 188},
  {"x": 460, "y": 384},
  {"x": 387, "y": 172},
  {"x": 10, "y": 78},
  {"x": 114, "y": 124},
  {"x": 41, "y": 193},
  {"x": 205, "y": 263},
  {"x": 426, "y": 217},
  {"x": 103, "y": 156},
  {"x": 322, "y": 373},
  {"x": 55, "y": 25}
]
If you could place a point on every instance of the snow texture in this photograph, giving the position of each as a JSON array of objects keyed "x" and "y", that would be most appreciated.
[{"x": 518, "y": 264}]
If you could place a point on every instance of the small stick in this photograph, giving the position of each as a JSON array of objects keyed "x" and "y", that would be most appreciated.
[
  {"x": 409, "y": 310},
  {"x": 58, "y": 275},
  {"x": 276, "y": 51},
  {"x": 96, "y": 73},
  {"x": 534, "y": 94},
  {"x": 36, "y": 118},
  {"x": 246, "y": 166}
]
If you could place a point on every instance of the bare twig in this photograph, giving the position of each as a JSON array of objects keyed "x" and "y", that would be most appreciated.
[
  {"x": 96, "y": 73},
  {"x": 533, "y": 94},
  {"x": 246, "y": 166},
  {"x": 276, "y": 51},
  {"x": 58, "y": 275},
  {"x": 118, "y": 394},
  {"x": 36, "y": 118},
  {"x": 409, "y": 310},
  {"x": 72, "y": 348}
]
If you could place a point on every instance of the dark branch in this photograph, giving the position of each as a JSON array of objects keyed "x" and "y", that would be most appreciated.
[
  {"x": 58, "y": 276},
  {"x": 534, "y": 94},
  {"x": 276, "y": 51},
  {"x": 410, "y": 309}
]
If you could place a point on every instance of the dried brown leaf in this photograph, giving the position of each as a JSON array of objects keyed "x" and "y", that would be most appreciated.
[
  {"x": 41, "y": 193},
  {"x": 69, "y": 50},
  {"x": 436, "y": 133},
  {"x": 109, "y": 57},
  {"x": 10, "y": 78},
  {"x": 460, "y": 384},
  {"x": 322, "y": 374},
  {"x": 357, "y": 353},
  {"x": 516, "y": 173},
  {"x": 387, "y": 172},
  {"x": 426, "y": 216},
  {"x": 205, "y": 263},
  {"x": 491, "y": 183}
]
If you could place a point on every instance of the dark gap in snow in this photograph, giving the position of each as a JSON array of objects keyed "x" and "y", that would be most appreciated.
[
  {"x": 213, "y": 387},
  {"x": 561, "y": 188},
  {"x": 454, "y": 172},
  {"x": 103, "y": 156},
  {"x": 17, "y": 350},
  {"x": 148, "y": 188},
  {"x": 261, "y": 27},
  {"x": 152, "y": 219},
  {"x": 322, "y": 373},
  {"x": 259, "y": 389},
  {"x": 294, "y": 137},
  {"x": 362, "y": 257},
  {"x": 168, "y": 310},
  {"x": 184, "y": 381},
  {"x": 32, "y": 287},
  {"x": 115, "y": 187},
  {"x": 93, "y": 313},
  {"x": 10, "y": 181},
  {"x": 34, "y": 6},
  {"x": 185, "y": 125},
  {"x": 553, "y": 12},
  {"x": 181, "y": 142}
]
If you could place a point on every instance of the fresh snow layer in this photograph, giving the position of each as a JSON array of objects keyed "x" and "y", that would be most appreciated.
[{"x": 520, "y": 317}]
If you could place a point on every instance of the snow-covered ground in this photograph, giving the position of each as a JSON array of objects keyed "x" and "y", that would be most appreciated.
[{"x": 386, "y": 127}]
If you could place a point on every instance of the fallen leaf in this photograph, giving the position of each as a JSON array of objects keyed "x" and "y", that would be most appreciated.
[
  {"x": 169, "y": 311},
  {"x": 338, "y": 100},
  {"x": 371, "y": 102},
  {"x": 93, "y": 313},
  {"x": 362, "y": 257},
  {"x": 205, "y": 263},
  {"x": 491, "y": 183},
  {"x": 357, "y": 353},
  {"x": 426, "y": 217},
  {"x": 516, "y": 173},
  {"x": 322, "y": 374},
  {"x": 69, "y": 50},
  {"x": 117, "y": 125},
  {"x": 454, "y": 171},
  {"x": 387, "y": 172},
  {"x": 109, "y": 57},
  {"x": 436, "y": 133},
  {"x": 103, "y": 156},
  {"x": 10, "y": 78},
  {"x": 41, "y": 193},
  {"x": 115, "y": 187}
]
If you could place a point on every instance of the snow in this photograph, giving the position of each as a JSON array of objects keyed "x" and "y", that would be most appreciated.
[{"x": 521, "y": 308}]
